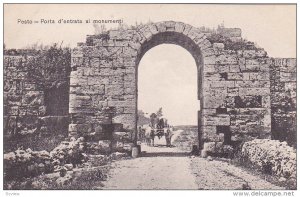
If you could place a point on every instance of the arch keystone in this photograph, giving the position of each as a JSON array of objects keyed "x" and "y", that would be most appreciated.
[{"x": 179, "y": 27}]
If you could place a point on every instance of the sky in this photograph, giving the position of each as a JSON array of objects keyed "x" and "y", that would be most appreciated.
[
  {"x": 272, "y": 27},
  {"x": 175, "y": 85}
]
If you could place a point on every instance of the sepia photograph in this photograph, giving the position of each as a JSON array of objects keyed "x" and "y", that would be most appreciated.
[{"x": 149, "y": 97}]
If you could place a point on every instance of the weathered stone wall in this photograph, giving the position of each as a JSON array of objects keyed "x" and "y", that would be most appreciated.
[
  {"x": 30, "y": 106},
  {"x": 238, "y": 86},
  {"x": 233, "y": 81},
  {"x": 23, "y": 99},
  {"x": 237, "y": 91},
  {"x": 283, "y": 99}
]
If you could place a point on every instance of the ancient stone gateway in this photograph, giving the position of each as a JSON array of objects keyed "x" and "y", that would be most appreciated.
[{"x": 233, "y": 83}]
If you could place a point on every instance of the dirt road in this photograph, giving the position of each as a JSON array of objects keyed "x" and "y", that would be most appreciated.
[{"x": 169, "y": 168}]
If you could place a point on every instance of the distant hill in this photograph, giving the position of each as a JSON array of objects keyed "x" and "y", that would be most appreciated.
[
  {"x": 185, "y": 127},
  {"x": 142, "y": 119},
  {"x": 187, "y": 136}
]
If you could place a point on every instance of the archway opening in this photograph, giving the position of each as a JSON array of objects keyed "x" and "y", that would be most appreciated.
[{"x": 167, "y": 89}]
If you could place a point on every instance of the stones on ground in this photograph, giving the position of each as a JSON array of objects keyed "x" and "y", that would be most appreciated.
[
  {"x": 272, "y": 156},
  {"x": 69, "y": 167},
  {"x": 24, "y": 163},
  {"x": 246, "y": 186},
  {"x": 105, "y": 145},
  {"x": 118, "y": 155},
  {"x": 64, "y": 180},
  {"x": 282, "y": 179},
  {"x": 62, "y": 172}
]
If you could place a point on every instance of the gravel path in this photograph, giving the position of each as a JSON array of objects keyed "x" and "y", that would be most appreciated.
[
  {"x": 169, "y": 168},
  {"x": 163, "y": 168},
  {"x": 219, "y": 175}
]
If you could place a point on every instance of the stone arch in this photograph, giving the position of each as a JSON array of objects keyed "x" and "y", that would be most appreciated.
[
  {"x": 233, "y": 83},
  {"x": 178, "y": 33}
]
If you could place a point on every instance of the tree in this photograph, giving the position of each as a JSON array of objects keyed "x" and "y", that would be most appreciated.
[
  {"x": 142, "y": 119},
  {"x": 99, "y": 29},
  {"x": 153, "y": 119},
  {"x": 159, "y": 112},
  {"x": 50, "y": 66}
]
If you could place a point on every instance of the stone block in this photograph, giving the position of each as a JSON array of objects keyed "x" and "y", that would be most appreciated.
[
  {"x": 213, "y": 76},
  {"x": 129, "y": 110},
  {"x": 204, "y": 45},
  {"x": 78, "y": 81},
  {"x": 224, "y": 84},
  {"x": 179, "y": 27},
  {"x": 209, "y": 129},
  {"x": 170, "y": 25},
  {"x": 193, "y": 33},
  {"x": 105, "y": 146},
  {"x": 128, "y": 120},
  {"x": 252, "y": 68},
  {"x": 129, "y": 96},
  {"x": 221, "y": 68},
  {"x": 129, "y": 52},
  {"x": 129, "y": 77},
  {"x": 80, "y": 128},
  {"x": 116, "y": 79},
  {"x": 121, "y": 136},
  {"x": 213, "y": 147},
  {"x": 34, "y": 98},
  {"x": 161, "y": 27},
  {"x": 116, "y": 89},
  {"x": 215, "y": 92},
  {"x": 128, "y": 146},
  {"x": 79, "y": 101},
  {"x": 122, "y": 146},
  {"x": 264, "y": 68},
  {"x": 106, "y": 63},
  {"x": 135, "y": 45},
  {"x": 125, "y": 103},
  {"x": 254, "y": 91},
  {"x": 213, "y": 137},
  {"x": 252, "y": 84},
  {"x": 95, "y": 62},
  {"x": 248, "y": 101},
  {"x": 211, "y": 60},
  {"x": 77, "y": 52},
  {"x": 238, "y": 76},
  {"x": 261, "y": 76},
  {"x": 129, "y": 84},
  {"x": 209, "y": 52},
  {"x": 130, "y": 70},
  {"x": 137, "y": 38},
  {"x": 213, "y": 103},
  {"x": 218, "y": 46},
  {"x": 216, "y": 120},
  {"x": 209, "y": 68},
  {"x": 230, "y": 32},
  {"x": 231, "y": 91},
  {"x": 288, "y": 77},
  {"x": 187, "y": 29},
  {"x": 209, "y": 111},
  {"x": 252, "y": 53},
  {"x": 226, "y": 59},
  {"x": 13, "y": 110},
  {"x": 76, "y": 61}
]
